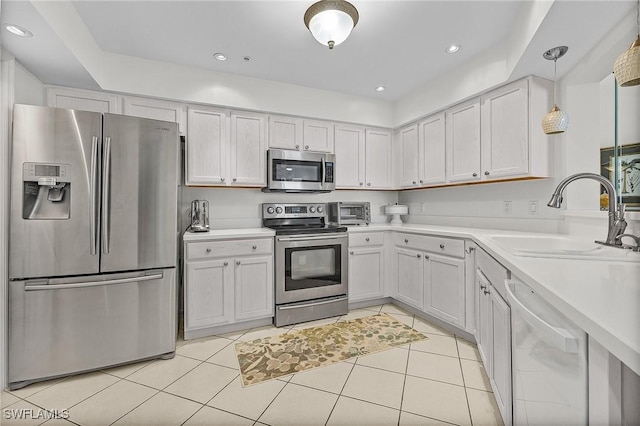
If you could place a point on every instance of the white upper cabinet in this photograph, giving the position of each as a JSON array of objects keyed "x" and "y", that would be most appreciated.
[
  {"x": 226, "y": 148},
  {"x": 285, "y": 132},
  {"x": 207, "y": 145},
  {"x": 431, "y": 150},
  {"x": 318, "y": 136},
  {"x": 84, "y": 100},
  {"x": 302, "y": 135},
  {"x": 463, "y": 142},
  {"x": 378, "y": 159},
  {"x": 350, "y": 161},
  {"x": 247, "y": 149},
  {"x": 513, "y": 144},
  {"x": 155, "y": 110},
  {"x": 408, "y": 139}
]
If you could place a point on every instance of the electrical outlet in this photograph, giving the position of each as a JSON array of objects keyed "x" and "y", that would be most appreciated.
[
  {"x": 507, "y": 208},
  {"x": 533, "y": 207}
]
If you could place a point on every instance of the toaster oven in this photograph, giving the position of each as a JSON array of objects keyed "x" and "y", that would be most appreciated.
[{"x": 351, "y": 213}]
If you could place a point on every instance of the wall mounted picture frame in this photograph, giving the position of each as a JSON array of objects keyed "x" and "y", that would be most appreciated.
[{"x": 628, "y": 184}]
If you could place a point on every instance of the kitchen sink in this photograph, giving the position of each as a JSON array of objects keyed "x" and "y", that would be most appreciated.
[{"x": 562, "y": 247}]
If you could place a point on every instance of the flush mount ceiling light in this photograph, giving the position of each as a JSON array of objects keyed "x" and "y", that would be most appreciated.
[
  {"x": 331, "y": 21},
  {"x": 627, "y": 66},
  {"x": 453, "y": 48},
  {"x": 556, "y": 121},
  {"x": 220, "y": 56},
  {"x": 18, "y": 30}
]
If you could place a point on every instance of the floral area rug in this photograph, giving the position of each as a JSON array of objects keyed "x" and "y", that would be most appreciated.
[{"x": 277, "y": 356}]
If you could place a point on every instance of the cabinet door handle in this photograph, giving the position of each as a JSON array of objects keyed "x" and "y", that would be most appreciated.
[
  {"x": 226, "y": 263},
  {"x": 237, "y": 262},
  {"x": 297, "y": 146},
  {"x": 475, "y": 175},
  {"x": 486, "y": 173},
  {"x": 418, "y": 256},
  {"x": 368, "y": 183},
  {"x": 254, "y": 247},
  {"x": 442, "y": 246},
  {"x": 306, "y": 147},
  {"x": 350, "y": 252},
  {"x": 487, "y": 292},
  {"x": 221, "y": 179},
  {"x": 208, "y": 249},
  {"x": 361, "y": 183},
  {"x": 421, "y": 181},
  {"x": 235, "y": 179},
  {"x": 367, "y": 239},
  {"x": 482, "y": 287},
  {"x": 426, "y": 256},
  {"x": 414, "y": 182},
  {"x": 406, "y": 241}
]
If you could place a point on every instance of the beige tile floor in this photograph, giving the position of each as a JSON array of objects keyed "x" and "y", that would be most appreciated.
[{"x": 434, "y": 382}]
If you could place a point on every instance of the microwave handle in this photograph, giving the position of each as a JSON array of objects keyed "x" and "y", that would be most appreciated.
[{"x": 323, "y": 171}]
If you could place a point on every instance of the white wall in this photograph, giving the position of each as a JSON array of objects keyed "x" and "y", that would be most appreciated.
[
  {"x": 28, "y": 89},
  {"x": 241, "y": 208}
]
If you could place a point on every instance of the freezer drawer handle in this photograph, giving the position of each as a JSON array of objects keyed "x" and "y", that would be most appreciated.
[
  {"x": 558, "y": 337},
  {"x": 92, "y": 283},
  {"x": 307, "y": 305}
]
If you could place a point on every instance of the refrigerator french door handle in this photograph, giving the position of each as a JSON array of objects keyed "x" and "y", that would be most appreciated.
[
  {"x": 559, "y": 337},
  {"x": 93, "y": 197},
  {"x": 106, "y": 196},
  {"x": 39, "y": 287}
]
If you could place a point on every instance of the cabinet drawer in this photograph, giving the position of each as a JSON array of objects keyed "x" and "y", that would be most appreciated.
[
  {"x": 442, "y": 245},
  {"x": 227, "y": 248},
  {"x": 366, "y": 239},
  {"x": 493, "y": 270}
]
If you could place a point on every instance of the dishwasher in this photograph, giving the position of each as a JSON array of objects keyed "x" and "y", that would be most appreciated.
[{"x": 549, "y": 364}]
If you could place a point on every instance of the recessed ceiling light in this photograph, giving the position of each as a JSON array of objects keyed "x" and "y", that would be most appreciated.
[
  {"x": 453, "y": 48},
  {"x": 18, "y": 30},
  {"x": 220, "y": 56},
  {"x": 380, "y": 89}
]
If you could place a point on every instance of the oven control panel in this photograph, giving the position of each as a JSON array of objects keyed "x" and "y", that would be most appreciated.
[{"x": 298, "y": 210}]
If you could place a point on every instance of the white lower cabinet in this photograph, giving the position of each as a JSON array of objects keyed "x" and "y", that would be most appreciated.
[
  {"x": 226, "y": 281},
  {"x": 493, "y": 331},
  {"x": 410, "y": 277},
  {"x": 444, "y": 284},
  {"x": 366, "y": 266}
]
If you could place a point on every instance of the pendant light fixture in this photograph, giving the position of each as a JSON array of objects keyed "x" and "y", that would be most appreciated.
[
  {"x": 331, "y": 21},
  {"x": 627, "y": 66},
  {"x": 556, "y": 120}
]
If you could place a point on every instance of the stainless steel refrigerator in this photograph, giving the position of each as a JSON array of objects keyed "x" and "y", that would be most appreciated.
[{"x": 92, "y": 249}]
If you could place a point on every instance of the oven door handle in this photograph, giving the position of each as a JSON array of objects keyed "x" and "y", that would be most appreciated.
[
  {"x": 310, "y": 238},
  {"x": 307, "y": 305}
]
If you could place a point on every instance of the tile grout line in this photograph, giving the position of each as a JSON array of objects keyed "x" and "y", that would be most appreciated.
[
  {"x": 464, "y": 382},
  {"x": 353, "y": 365},
  {"x": 404, "y": 381}
]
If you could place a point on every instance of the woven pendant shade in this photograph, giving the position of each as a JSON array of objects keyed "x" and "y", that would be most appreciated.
[
  {"x": 556, "y": 121},
  {"x": 627, "y": 66}
]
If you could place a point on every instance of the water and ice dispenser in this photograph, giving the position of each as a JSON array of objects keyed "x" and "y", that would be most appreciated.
[{"x": 46, "y": 191}]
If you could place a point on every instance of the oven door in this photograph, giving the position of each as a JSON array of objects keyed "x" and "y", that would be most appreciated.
[{"x": 310, "y": 267}]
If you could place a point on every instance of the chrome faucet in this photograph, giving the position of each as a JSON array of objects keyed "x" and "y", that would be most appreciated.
[{"x": 617, "y": 223}]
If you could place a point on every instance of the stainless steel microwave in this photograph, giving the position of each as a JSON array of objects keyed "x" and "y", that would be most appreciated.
[
  {"x": 296, "y": 171},
  {"x": 352, "y": 213}
]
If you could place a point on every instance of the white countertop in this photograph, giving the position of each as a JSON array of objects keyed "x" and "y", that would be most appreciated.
[
  {"x": 602, "y": 298},
  {"x": 224, "y": 234}
]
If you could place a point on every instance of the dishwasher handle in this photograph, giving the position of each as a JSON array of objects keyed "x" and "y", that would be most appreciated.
[{"x": 559, "y": 337}]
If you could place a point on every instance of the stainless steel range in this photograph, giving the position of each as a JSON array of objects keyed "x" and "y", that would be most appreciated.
[{"x": 310, "y": 262}]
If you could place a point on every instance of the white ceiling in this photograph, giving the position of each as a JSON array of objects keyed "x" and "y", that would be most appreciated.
[{"x": 397, "y": 44}]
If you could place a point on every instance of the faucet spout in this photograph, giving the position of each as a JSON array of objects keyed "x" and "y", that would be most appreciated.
[{"x": 617, "y": 224}]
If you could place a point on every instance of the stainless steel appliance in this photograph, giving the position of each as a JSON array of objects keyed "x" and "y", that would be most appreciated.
[
  {"x": 310, "y": 263},
  {"x": 550, "y": 363},
  {"x": 352, "y": 213},
  {"x": 199, "y": 216},
  {"x": 92, "y": 251},
  {"x": 296, "y": 171}
]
